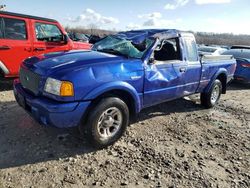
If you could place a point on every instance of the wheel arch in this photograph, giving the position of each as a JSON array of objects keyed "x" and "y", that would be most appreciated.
[
  {"x": 123, "y": 90},
  {"x": 220, "y": 75},
  {"x": 1, "y": 73},
  {"x": 223, "y": 79}
]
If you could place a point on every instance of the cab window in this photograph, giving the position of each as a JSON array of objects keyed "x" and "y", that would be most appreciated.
[
  {"x": 14, "y": 29},
  {"x": 168, "y": 50},
  {"x": 48, "y": 32},
  {"x": 192, "y": 54}
]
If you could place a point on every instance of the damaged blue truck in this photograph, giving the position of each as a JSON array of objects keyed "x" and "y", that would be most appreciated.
[{"x": 101, "y": 90}]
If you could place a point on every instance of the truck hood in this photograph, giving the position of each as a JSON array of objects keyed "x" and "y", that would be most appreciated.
[{"x": 48, "y": 63}]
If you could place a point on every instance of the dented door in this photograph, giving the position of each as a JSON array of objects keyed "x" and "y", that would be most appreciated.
[{"x": 164, "y": 81}]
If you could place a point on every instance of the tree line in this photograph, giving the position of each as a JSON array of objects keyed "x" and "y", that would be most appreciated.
[
  {"x": 222, "y": 39},
  {"x": 227, "y": 39}
]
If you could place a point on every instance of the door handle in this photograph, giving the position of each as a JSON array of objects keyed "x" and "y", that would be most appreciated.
[
  {"x": 39, "y": 49},
  {"x": 5, "y": 47},
  {"x": 183, "y": 69}
]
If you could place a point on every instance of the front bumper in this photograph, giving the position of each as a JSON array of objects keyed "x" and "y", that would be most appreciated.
[{"x": 49, "y": 112}]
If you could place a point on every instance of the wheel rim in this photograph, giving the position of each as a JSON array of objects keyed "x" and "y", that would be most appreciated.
[
  {"x": 215, "y": 94},
  {"x": 109, "y": 122}
]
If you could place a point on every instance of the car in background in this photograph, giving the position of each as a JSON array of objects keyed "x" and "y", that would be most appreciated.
[
  {"x": 242, "y": 57},
  {"x": 210, "y": 50},
  {"x": 78, "y": 37},
  {"x": 23, "y": 36},
  {"x": 95, "y": 38},
  {"x": 240, "y": 47}
]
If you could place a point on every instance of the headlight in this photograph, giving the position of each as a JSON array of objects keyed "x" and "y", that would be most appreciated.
[{"x": 60, "y": 88}]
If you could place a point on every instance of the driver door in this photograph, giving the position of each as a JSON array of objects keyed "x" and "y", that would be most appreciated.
[
  {"x": 47, "y": 38},
  {"x": 164, "y": 78}
]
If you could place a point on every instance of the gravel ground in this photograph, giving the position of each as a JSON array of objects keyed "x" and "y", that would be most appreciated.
[{"x": 175, "y": 144}]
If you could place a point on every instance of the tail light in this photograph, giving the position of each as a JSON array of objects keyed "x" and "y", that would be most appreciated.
[{"x": 245, "y": 65}]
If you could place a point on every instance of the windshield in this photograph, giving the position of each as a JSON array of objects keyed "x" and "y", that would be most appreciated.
[
  {"x": 80, "y": 36},
  {"x": 119, "y": 46}
]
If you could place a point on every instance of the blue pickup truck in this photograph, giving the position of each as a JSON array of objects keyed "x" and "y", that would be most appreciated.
[{"x": 101, "y": 90}]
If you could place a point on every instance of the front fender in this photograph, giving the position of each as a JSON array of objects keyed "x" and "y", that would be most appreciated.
[
  {"x": 219, "y": 72},
  {"x": 117, "y": 85}
]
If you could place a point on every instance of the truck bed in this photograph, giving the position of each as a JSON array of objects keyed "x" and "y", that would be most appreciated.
[{"x": 211, "y": 65}]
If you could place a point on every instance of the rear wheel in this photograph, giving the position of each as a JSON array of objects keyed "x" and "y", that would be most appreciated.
[
  {"x": 211, "y": 98},
  {"x": 106, "y": 122}
]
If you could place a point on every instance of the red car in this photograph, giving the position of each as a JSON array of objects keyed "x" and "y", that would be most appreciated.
[{"x": 22, "y": 36}]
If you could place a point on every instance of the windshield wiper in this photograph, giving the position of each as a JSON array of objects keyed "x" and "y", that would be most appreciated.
[{"x": 112, "y": 51}]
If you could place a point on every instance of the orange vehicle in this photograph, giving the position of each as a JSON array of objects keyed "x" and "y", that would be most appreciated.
[{"x": 22, "y": 36}]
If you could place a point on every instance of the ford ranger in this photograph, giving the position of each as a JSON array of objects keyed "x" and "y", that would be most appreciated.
[{"x": 102, "y": 89}]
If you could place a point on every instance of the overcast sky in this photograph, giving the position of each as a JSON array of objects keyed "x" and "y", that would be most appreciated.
[{"x": 230, "y": 16}]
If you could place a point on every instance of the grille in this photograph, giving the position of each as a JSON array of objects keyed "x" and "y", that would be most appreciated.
[{"x": 29, "y": 80}]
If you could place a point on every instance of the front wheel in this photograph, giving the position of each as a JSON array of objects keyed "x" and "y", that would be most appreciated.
[
  {"x": 107, "y": 122},
  {"x": 211, "y": 98}
]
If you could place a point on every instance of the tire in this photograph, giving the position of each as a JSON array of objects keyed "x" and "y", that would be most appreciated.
[
  {"x": 106, "y": 123},
  {"x": 211, "y": 98}
]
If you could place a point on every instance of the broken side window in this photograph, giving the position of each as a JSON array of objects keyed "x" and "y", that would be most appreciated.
[{"x": 168, "y": 50}]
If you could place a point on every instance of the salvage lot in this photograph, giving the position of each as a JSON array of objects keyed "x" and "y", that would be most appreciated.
[{"x": 175, "y": 144}]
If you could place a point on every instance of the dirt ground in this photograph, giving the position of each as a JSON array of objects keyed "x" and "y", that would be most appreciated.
[{"x": 175, "y": 144}]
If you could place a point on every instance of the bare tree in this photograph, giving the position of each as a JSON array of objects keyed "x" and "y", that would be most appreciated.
[
  {"x": 2, "y": 7},
  {"x": 91, "y": 30}
]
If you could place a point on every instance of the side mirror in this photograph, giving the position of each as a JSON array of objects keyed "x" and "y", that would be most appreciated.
[
  {"x": 65, "y": 39},
  {"x": 201, "y": 56},
  {"x": 151, "y": 60}
]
